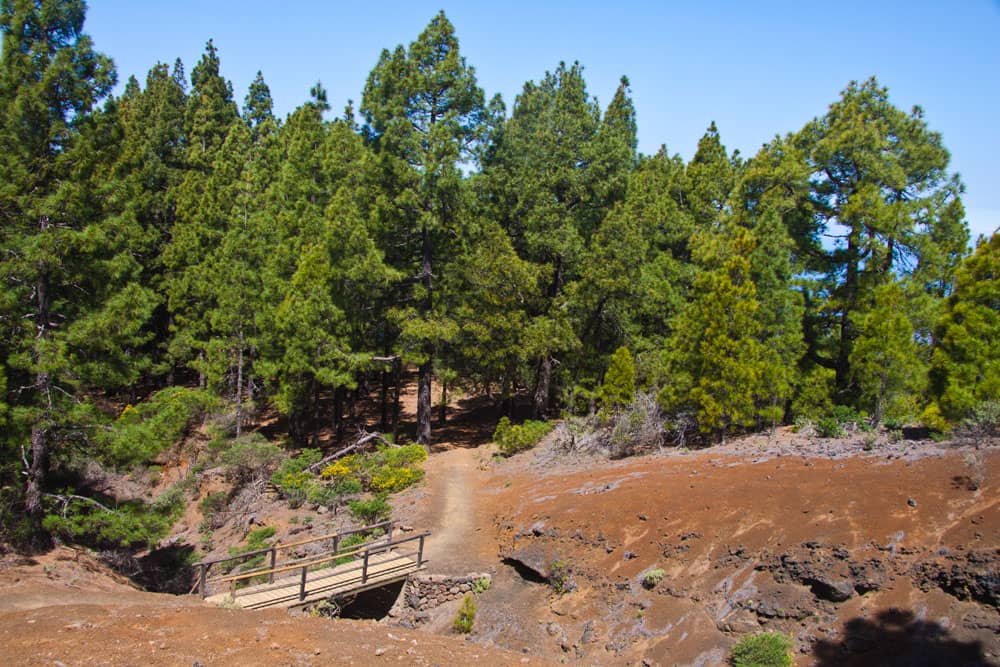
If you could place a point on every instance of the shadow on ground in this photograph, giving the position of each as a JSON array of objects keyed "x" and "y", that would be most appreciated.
[{"x": 897, "y": 638}]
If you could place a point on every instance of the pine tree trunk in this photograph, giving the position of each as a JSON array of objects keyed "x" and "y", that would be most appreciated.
[
  {"x": 384, "y": 399},
  {"x": 397, "y": 367},
  {"x": 543, "y": 380},
  {"x": 314, "y": 393},
  {"x": 443, "y": 415},
  {"x": 338, "y": 411},
  {"x": 39, "y": 463},
  {"x": 239, "y": 388},
  {"x": 424, "y": 402},
  {"x": 426, "y": 369},
  {"x": 847, "y": 329}
]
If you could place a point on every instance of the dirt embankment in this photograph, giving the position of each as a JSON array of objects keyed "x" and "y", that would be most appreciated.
[{"x": 863, "y": 559}]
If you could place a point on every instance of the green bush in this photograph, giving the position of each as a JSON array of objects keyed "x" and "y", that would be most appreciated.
[
  {"x": 829, "y": 427},
  {"x": 984, "y": 422},
  {"x": 293, "y": 481},
  {"x": 466, "y": 615},
  {"x": 515, "y": 438},
  {"x": 652, "y": 578},
  {"x": 370, "y": 511},
  {"x": 388, "y": 469},
  {"x": 560, "y": 577},
  {"x": 619, "y": 382},
  {"x": 767, "y": 649},
  {"x": 130, "y": 525},
  {"x": 143, "y": 431},
  {"x": 250, "y": 457}
]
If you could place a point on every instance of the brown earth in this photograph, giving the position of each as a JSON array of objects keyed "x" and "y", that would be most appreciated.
[{"x": 868, "y": 554}]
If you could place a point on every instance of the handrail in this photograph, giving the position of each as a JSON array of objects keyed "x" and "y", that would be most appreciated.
[
  {"x": 288, "y": 545},
  {"x": 287, "y": 568},
  {"x": 302, "y": 561}
]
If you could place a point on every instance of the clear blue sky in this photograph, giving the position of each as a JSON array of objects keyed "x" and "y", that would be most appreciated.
[{"x": 757, "y": 69}]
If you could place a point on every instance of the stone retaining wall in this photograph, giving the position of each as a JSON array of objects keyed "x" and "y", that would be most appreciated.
[{"x": 425, "y": 591}]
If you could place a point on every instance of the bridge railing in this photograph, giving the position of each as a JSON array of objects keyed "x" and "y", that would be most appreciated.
[
  {"x": 414, "y": 558},
  {"x": 272, "y": 552}
]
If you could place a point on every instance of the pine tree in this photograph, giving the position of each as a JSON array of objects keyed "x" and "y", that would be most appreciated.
[
  {"x": 50, "y": 80},
  {"x": 710, "y": 178},
  {"x": 965, "y": 367},
  {"x": 879, "y": 175},
  {"x": 201, "y": 212},
  {"x": 141, "y": 189},
  {"x": 544, "y": 176},
  {"x": 714, "y": 355},
  {"x": 619, "y": 382},
  {"x": 425, "y": 116},
  {"x": 886, "y": 362}
]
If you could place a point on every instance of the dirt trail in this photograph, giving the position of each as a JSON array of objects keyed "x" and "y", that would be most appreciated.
[{"x": 451, "y": 513}]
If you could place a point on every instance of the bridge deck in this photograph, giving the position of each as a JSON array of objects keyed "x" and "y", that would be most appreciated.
[{"x": 371, "y": 566}]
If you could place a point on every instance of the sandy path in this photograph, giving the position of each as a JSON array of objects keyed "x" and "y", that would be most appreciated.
[{"x": 457, "y": 544}]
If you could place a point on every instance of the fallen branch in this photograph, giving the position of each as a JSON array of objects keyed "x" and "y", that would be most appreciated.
[
  {"x": 65, "y": 499},
  {"x": 363, "y": 440}
]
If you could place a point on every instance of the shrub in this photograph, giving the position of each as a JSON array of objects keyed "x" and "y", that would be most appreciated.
[
  {"x": 619, "y": 381},
  {"x": 984, "y": 422},
  {"x": 370, "y": 511},
  {"x": 388, "y": 469},
  {"x": 767, "y": 649},
  {"x": 391, "y": 480},
  {"x": 515, "y": 438},
  {"x": 144, "y": 431},
  {"x": 250, "y": 457},
  {"x": 637, "y": 426},
  {"x": 829, "y": 427},
  {"x": 466, "y": 615},
  {"x": 845, "y": 415},
  {"x": 893, "y": 424},
  {"x": 293, "y": 481},
  {"x": 652, "y": 578},
  {"x": 130, "y": 525},
  {"x": 481, "y": 585},
  {"x": 560, "y": 577},
  {"x": 933, "y": 420}
]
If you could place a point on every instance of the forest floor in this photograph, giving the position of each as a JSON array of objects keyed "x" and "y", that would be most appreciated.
[{"x": 867, "y": 553}]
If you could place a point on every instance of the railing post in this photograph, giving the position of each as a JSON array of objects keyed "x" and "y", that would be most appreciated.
[
  {"x": 274, "y": 557},
  {"x": 302, "y": 584},
  {"x": 336, "y": 543},
  {"x": 389, "y": 534},
  {"x": 201, "y": 579},
  {"x": 420, "y": 551},
  {"x": 364, "y": 568}
]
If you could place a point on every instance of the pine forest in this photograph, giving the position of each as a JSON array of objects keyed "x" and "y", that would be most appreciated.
[{"x": 177, "y": 250}]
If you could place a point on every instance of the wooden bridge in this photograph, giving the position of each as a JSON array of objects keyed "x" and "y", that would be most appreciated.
[{"x": 332, "y": 572}]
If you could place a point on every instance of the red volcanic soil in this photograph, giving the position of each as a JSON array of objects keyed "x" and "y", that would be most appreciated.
[{"x": 863, "y": 559}]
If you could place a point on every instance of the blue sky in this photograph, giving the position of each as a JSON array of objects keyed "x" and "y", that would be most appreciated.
[{"x": 757, "y": 69}]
